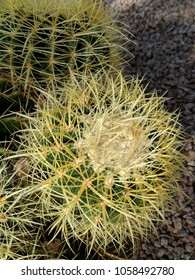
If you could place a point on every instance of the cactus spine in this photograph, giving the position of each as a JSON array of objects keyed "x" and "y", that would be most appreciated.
[
  {"x": 41, "y": 41},
  {"x": 104, "y": 160}
]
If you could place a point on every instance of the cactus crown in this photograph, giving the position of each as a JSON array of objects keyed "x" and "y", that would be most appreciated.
[
  {"x": 104, "y": 159},
  {"x": 115, "y": 143}
]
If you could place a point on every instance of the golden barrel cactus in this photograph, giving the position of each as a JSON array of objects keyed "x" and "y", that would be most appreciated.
[{"x": 104, "y": 160}]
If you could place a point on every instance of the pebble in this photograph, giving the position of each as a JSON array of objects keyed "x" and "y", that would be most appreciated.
[
  {"x": 191, "y": 163},
  {"x": 164, "y": 242},
  {"x": 191, "y": 155},
  {"x": 161, "y": 253}
]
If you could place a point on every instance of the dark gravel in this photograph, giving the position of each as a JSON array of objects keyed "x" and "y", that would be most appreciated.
[{"x": 164, "y": 31}]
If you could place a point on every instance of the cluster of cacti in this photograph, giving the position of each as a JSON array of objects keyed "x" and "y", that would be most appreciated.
[{"x": 98, "y": 159}]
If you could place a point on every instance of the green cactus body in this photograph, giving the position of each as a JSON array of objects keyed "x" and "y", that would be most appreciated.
[
  {"x": 10, "y": 100},
  {"x": 20, "y": 229},
  {"x": 41, "y": 41},
  {"x": 104, "y": 161}
]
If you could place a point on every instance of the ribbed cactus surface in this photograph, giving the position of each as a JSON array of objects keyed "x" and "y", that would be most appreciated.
[
  {"x": 41, "y": 41},
  {"x": 104, "y": 160}
]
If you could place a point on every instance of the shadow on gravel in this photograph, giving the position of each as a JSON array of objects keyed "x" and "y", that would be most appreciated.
[
  {"x": 165, "y": 54},
  {"x": 164, "y": 31}
]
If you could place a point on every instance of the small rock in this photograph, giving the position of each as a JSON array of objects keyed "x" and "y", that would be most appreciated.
[
  {"x": 157, "y": 244},
  {"x": 188, "y": 248},
  {"x": 191, "y": 155},
  {"x": 192, "y": 239},
  {"x": 191, "y": 163},
  {"x": 189, "y": 106},
  {"x": 164, "y": 242},
  {"x": 190, "y": 221},
  {"x": 188, "y": 209},
  {"x": 177, "y": 225},
  {"x": 178, "y": 250},
  {"x": 161, "y": 253}
]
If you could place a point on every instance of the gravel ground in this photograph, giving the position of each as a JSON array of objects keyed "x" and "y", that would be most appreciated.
[{"x": 164, "y": 31}]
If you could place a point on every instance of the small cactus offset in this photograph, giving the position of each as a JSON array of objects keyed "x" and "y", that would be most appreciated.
[
  {"x": 41, "y": 41},
  {"x": 104, "y": 161}
]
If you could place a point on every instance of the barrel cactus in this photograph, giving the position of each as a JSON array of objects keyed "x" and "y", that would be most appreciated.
[
  {"x": 41, "y": 41},
  {"x": 104, "y": 161}
]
